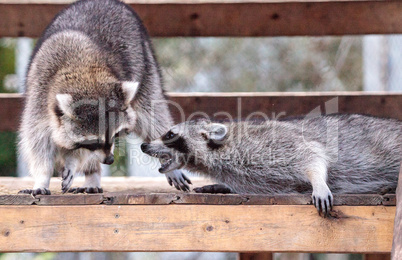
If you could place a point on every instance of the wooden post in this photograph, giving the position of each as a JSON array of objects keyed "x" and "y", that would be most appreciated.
[{"x": 397, "y": 241}]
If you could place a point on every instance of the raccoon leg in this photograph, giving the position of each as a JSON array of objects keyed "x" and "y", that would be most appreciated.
[
  {"x": 92, "y": 182},
  {"x": 41, "y": 168},
  {"x": 214, "y": 188},
  {"x": 322, "y": 196},
  {"x": 41, "y": 186}
]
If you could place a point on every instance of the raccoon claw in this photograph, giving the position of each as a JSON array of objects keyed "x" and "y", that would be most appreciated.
[
  {"x": 39, "y": 191},
  {"x": 179, "y": 180},
  {"x": 214, "y": 188},
  {"x": 323, "y": 204},
  {"x": 67, "y": 180},
  {"x": 89, "y": 190}
]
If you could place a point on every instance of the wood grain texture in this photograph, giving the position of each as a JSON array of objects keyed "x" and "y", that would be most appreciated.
[
  {"x": 279, "y": 106},
  {"x": 185, "y": 106},
  {"x": 377, "y": 257},
  {"x": 113, "y": 185},
  {"x": 269, "y": 18},
  {"x": 181, "y": 1},
  {"x": 18, "y": 200},
  {"x": 11, "y": 106},
  {"x": 240, "y": 228},
  {"x": 256, "y": 256},
  {"x": 126, "y": 198},
  {"x": 155, "y": 191},
  {"x": 397, "y": 240}
]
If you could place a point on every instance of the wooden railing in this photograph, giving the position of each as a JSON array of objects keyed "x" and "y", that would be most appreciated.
[
  {"x": 170, "y": 18},
  {"x": 128, "y": 221},
  {"x": 167, "y": 221},
  {"x": 186, "y": 106}
]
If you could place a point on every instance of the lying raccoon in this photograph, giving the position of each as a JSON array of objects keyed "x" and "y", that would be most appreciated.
[{"x": 338, "y": 153}]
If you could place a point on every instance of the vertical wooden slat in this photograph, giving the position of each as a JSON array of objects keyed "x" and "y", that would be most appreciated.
[{"x": 397, "y": 241}]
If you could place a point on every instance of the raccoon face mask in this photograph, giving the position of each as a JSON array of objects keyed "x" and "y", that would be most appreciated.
[
  {"x": 187, "y": 144},
  {"x": 93, "y": 122}
]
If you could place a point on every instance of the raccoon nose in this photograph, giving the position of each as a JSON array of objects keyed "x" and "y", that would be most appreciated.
[
  {"x": 144, "y": 147},
  {"x": 109, "y": 160}
]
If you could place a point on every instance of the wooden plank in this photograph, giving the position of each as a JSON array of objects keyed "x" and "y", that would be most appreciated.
[
  {"x": 282, "y": 105},
  {"x": 377, "y": 257},
  {"x": 156, "y": 191},
  {"x": 206, "y": 18},
  {"x": 127, "y": 198},
  {"x": 181, "y": 1},
  {"x": 111, "y": 185},
  {"x": 240, "y": 228},
  {"x": 397, "y": 241},
  {"x": 67, "y": 199},
  {"x": 256, "y": 256},
  {"x": 240, "y": 199},
  {"x": 17, "y": 200},
  {"x": 185, "y": 106}
]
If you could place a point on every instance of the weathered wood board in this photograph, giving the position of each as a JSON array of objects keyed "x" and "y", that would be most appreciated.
[
  {"x": 245, "y": 105},
  {"x": 228, "y": 18},
  {"x": 155, "y": 191},
  {"x": 234, "y": 228},
  {"x": 397, "y": 241}
]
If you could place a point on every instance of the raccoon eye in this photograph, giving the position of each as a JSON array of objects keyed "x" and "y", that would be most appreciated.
[
  {"x": 205, "y": 136},
  {"x": 169, "y": 135}
]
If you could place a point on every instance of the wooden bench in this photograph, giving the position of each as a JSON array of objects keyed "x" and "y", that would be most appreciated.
[
  {"x": 129, "y": 216},
  {"x": 147, "y": 215}
]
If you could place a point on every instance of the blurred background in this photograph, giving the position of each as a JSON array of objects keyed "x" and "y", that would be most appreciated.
[{"x": 274, "y": 64}]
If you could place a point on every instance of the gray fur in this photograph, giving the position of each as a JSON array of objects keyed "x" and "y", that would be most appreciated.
[
  {"x": 78, "y": 87},
  {"x": 338, "y": 153}
]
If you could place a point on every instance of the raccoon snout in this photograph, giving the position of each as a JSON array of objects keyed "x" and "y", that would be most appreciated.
[{"x": 109, "y": 160}]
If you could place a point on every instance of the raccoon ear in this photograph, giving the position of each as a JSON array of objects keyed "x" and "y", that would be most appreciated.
[
  {"x": 217, "y": 132},
  {"x": 64, "y": 103},
  {"x": 129, "y": 89}
]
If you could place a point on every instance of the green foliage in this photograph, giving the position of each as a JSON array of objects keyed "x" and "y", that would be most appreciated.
[
  {"x": 7, "y": 60},
  {"x": 261, "y": 64},
  {"x": 8, "y": 158},
  {"x": 7, "y": 140}
]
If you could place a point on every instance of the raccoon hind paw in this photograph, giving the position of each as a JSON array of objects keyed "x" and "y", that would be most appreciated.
[
  {"x": 39, "y": 191},
  {"x": 89, "y": 190}
]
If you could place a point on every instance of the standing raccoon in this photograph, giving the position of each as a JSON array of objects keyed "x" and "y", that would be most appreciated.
[
  {"x": 92, "y": 75},
  {"x": 338, "y": 153}
]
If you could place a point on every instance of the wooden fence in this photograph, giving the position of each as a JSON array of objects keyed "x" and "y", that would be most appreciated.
[{"x": 128, "y": 221}]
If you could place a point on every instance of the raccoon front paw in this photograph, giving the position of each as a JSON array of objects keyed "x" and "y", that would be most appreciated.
[
  {"x": 67, "y": 180},
  {"x": 214, "y": 188},
  {"x": 39, "y": 191},
  {"x": 323, "y": 202},
  {"x": 89, "y": 190},
  {"x": 179, "y": 180}
]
